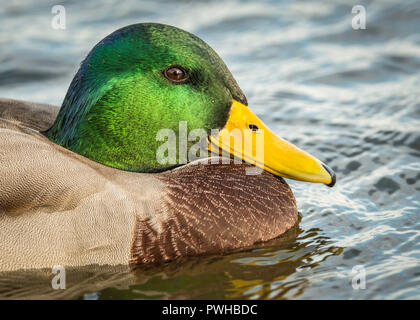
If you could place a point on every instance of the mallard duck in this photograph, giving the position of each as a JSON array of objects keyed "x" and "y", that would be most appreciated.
[{"x": 83, "y": 185}]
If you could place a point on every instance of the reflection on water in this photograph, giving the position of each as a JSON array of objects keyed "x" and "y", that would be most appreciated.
[
  {"x": 265, "y": 271},
  {"x": 278, "y": 264},
  {"x": 349, "y": 97}
]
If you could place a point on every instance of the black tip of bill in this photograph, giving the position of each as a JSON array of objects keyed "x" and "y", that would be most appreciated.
[{"x": 332, "y": 174}]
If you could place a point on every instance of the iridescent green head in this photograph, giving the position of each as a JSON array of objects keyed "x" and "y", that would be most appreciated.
[
  {"x": 136, "y": 81},
  {"x": 147, "y": 77}
]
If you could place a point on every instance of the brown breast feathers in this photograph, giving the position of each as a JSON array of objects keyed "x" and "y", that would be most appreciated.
[{"x": 214, "y": 208}]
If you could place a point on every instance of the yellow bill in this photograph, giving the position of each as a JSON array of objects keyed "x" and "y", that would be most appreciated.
[{"x": 246, "y": 137}]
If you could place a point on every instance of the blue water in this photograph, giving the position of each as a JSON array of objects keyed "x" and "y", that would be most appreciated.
[{"x": 350, "y": 97}]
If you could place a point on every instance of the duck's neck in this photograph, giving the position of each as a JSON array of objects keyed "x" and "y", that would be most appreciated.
[
  {"x": 213, "y": 208},
  {"x": 112, "y": 130}
]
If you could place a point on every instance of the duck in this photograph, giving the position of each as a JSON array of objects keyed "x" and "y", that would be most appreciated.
[{"x": 138, "y": 167}]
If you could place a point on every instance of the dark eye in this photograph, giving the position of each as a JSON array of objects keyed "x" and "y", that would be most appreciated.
[{"x": 175, "y": 74}]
